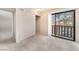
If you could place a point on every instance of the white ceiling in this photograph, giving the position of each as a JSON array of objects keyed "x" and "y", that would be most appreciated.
[
  {"x": 36, "y": 9},
  {"x": 8, "y": 9},
  {"x": 42, "y": 9}
]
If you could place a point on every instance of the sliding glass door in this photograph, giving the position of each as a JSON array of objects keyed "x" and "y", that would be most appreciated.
[{"x": 63, "y": 25}]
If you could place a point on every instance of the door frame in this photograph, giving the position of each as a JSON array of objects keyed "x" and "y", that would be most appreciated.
[{"x": 73, "y": 24}]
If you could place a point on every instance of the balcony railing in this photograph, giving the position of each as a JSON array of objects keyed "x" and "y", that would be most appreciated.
[{"x": 63, "y": 31}]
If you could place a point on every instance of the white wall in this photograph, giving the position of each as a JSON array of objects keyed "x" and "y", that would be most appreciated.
[
  {"x": 6, "y": 25},
  {"x": 44, "y": 23},
  {"x": 25, "y": 24},
  {"x": 45, "y": 18},
  {"x": 77, "y": 25}
]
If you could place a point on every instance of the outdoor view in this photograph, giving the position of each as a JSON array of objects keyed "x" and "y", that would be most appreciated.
[{"x": 63, "y": 25}]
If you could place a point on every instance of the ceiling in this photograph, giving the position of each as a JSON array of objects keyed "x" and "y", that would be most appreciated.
[
  {"x": 8, "y": 9},
  {"x": 36, "y": 9},
  {"x": 42, "y": 9}
]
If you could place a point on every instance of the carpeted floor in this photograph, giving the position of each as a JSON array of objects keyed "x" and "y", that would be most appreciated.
[{"x": 40, "y": 43}]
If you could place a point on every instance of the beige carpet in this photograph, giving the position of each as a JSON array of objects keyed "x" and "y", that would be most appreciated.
[{"x": 40, "y": 43}]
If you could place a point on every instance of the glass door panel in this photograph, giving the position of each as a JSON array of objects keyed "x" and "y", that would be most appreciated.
[{"x": 63, "y": 26}]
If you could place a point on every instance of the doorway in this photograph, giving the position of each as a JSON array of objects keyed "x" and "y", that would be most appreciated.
[{"x": 37, "y": 24}]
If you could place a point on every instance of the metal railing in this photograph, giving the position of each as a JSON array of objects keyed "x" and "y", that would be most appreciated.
[{"x": 62, "y": 31}]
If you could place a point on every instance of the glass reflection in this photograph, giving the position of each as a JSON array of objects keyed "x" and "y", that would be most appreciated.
[{"x": 64, "y": 24}]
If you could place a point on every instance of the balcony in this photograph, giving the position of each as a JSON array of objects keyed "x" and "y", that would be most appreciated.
[{"x": 63, "y": 31}]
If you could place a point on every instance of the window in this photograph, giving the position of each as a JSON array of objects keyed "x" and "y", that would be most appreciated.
[{"x": 63, "y": 25}]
